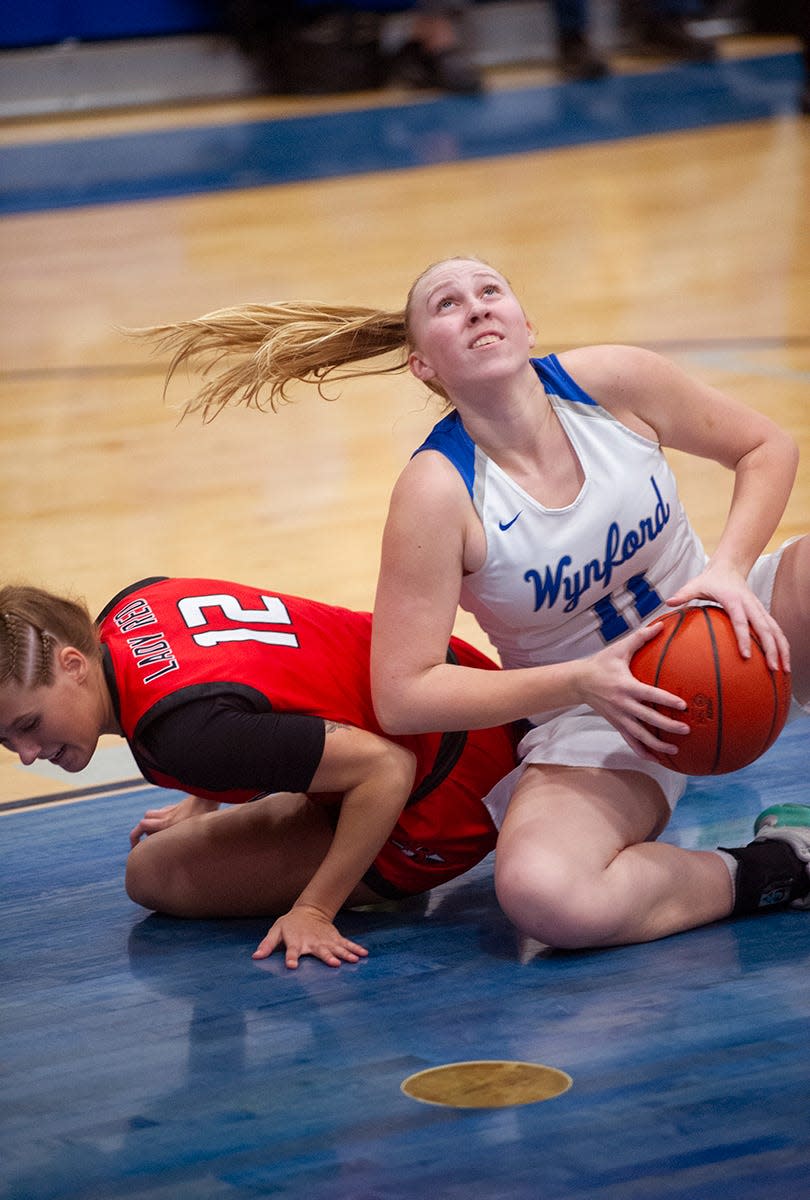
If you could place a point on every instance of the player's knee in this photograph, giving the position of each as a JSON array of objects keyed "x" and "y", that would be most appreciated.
[
  {"x": 546, "y": 900},
  {"x": 145, "y": 882}
]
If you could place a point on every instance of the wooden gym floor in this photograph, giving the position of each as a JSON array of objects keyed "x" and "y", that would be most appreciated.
[{"x": 147, "y": 1057}]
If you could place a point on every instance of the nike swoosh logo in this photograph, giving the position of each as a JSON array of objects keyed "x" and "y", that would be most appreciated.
[{"x": 504, "y": 525}]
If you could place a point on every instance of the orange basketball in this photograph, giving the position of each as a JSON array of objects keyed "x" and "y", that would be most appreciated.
[{"x": 736, "y": 706}]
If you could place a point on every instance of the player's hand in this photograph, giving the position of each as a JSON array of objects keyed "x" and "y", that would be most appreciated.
[
  {"x": 745, "y": 611},
  {"x": 610, "y": 688},
  {"x": 306, "y": 930},
  {"x": 155, "y": 819}
]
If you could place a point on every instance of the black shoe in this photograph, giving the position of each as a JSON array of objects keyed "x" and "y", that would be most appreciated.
[
  {"x": 670, "y": 37},
  {"x": 789, "y": 823},
  {"x": 578, "y": 61},
  {"x": 450, "y": 71}
]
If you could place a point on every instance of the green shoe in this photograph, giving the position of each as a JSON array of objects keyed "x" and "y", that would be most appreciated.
[{"x": 780, "y": 816}]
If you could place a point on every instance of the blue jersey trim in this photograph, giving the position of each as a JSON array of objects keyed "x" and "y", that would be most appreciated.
[
  {"x": 557, "y": 382},
  {"x": 451, "y": 439}
]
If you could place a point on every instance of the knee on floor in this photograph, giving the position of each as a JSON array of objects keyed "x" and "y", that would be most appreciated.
[
  {"x": 148, "y": 879},
  {"x": 546, "y": 900}
]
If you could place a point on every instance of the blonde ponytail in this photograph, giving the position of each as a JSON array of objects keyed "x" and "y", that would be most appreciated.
[
  {"x": 251, "y": 354},
  {"x": 268, "y": 347}
]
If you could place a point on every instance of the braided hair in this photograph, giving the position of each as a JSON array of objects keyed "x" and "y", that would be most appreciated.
[{"x": 33, "y": 623}]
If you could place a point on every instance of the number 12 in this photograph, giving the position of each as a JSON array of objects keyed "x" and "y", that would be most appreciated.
[{"x": 273, "y": 613}]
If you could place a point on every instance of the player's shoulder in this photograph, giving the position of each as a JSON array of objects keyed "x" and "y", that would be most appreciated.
[
  {"x": 429, "y": 483},
  {"x": 623, "y": 380},
  {"x": 600, "y": 364}
]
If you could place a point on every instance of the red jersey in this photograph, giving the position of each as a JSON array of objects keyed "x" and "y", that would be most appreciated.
[{"x": 168, "y": 641}]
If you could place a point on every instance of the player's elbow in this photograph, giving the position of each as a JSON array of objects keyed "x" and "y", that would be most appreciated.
[
  {"x": 392, "y": 702},
  {"x": 395, "y": 714},
  {"x": 781, "y": 451},
  {"x": 792, "y": 453},
  {"x": 394, "y": 721}
]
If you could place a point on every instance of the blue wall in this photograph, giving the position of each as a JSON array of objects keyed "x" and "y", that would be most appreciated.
[{"x": 45, "y": 22}]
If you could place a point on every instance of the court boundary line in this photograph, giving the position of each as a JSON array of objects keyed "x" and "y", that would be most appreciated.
[{"x": 69, "y": 797}]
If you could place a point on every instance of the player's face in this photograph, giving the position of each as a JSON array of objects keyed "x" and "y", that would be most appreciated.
[
  {"x": 59, "y": 722},
  {"x": 466, "y": 326}
]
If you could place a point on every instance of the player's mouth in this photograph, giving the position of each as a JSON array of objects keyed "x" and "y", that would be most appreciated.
[
  {"x": 485, "y": 339},
  {"x": 56, "y": 759}
]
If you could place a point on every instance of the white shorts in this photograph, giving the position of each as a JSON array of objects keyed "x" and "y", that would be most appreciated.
[{"x": 579, "y": 737}]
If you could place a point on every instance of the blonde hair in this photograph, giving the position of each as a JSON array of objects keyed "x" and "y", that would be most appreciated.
[
  {"x": 33, "y": 623},
  {"x": 270, "y": 346}
]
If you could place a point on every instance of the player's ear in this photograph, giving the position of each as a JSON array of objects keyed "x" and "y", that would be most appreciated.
[
  {"x": 420, "y": 368},
  {"x": 73, "y": 663}
]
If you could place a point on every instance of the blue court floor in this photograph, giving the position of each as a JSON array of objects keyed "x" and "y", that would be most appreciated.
[{"x": 145, "y": 1056}]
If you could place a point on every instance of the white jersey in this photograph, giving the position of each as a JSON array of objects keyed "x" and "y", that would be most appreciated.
[{"x": 559, "y": 583}]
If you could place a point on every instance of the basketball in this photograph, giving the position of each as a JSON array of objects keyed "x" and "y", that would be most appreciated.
[{"x": 736, "y": 707}]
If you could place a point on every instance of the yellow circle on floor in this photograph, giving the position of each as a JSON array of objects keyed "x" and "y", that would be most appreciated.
[{"x": 489, "y": 1083}]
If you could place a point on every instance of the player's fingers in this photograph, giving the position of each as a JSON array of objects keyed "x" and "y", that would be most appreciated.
[
  {"x": 783, "y": 646},
  {"x": 349, "y": 952},
  {"x": 143, "y": 829},
  {"x": 742, "y": 629},
  {"x": 324, "y": 953},
  {"x": 355, "y": 948},
  {"x": 657, "y": 725},
  {"x": 664, "y": 720},
  {"x": 639, "y": 637},
  {"x": 639, "y": 748},
  {"x": 648, "y": 741},
  {"x": 754, "y": 616},
  {"x": 775, "y": 645},
  {"x": 267, "y": 945},
  {"x": 334, "y": 953}
]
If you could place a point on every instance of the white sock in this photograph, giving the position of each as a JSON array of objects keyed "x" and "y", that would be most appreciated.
[{"x": 732, "y": 866}]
